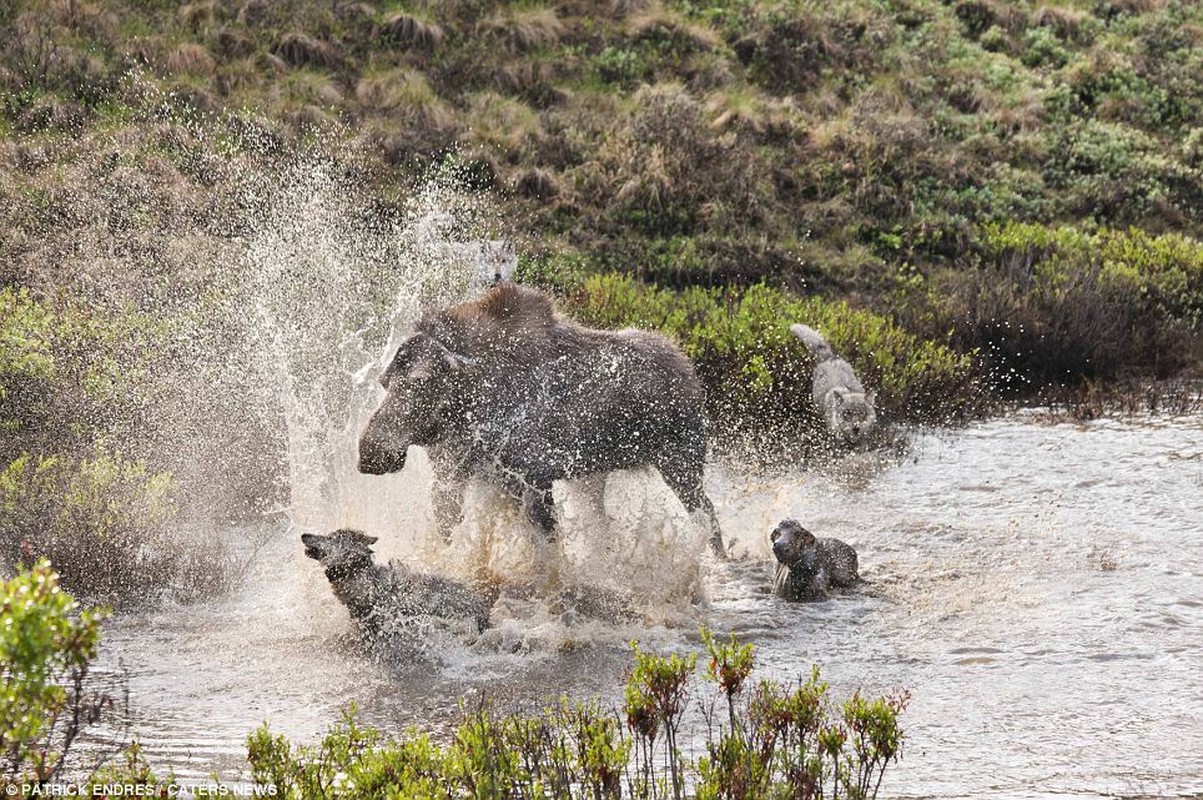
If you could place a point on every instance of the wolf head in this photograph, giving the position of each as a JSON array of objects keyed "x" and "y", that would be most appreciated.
[
  {"x": 793, "y": 544},
  {"x": 850, "y": 414},
  {"x": 342, "y": 551}
]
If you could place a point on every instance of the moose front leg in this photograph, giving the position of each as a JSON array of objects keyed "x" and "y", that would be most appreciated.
[{"x": 447, "y": 498}]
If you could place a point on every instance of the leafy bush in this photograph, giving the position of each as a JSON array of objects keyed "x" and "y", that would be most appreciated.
[
  {"x": 1048, "y": 306},
  {"x": 70, "y": 371},
  {"x": 102, "y": 519},
  {"x": 46, "y": 648},
  {"x": 1114, "y": 173},
  {"x": 783, "y": 741},
  {"x": 751, "y": 364}
]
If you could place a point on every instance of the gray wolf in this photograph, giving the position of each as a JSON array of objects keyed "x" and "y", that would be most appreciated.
[
  {"x": 808, "y": 567},
  {"x": 848, "y": 410},
  {"x": 496, "y": 261},
  {"x": 381, "y": 596},
  {"x": 505, "y": 389}
]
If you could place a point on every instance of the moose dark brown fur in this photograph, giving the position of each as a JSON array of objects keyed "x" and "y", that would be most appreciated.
[{"x": 505, "y": 389}]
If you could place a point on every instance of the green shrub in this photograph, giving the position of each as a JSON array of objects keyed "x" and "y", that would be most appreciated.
[
  {"x": 784, "y": 741},
  {"x": 46, "y": 649},
  {"x": 26, "y": 357},
  {"x": 70, "y": 371},
  {"x": 102, "y": 519},
  {"x": 741, "y": 346},
  {"x": 1117, "y": 174},
  {"x": 1048, "y": 306}
]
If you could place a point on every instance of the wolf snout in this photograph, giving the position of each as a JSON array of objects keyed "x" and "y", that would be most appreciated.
[{"x": 312, "y": 544}]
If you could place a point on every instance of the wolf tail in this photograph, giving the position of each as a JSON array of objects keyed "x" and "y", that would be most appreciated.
[{"x": 814, "y": 341}]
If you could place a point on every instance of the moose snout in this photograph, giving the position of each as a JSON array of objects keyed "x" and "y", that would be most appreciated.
[{"x": 374, "y": 460}]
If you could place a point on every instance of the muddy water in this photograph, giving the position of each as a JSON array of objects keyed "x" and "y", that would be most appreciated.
[{"x": 1039, "y": 590}]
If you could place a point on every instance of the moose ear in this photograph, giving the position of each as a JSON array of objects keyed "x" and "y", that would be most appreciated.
[{"x": 457, "y": 362}]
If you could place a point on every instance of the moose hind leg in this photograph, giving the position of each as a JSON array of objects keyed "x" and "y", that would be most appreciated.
[
  {"x": 539, "y": 506},
  {"x": 687, "y": 484}
]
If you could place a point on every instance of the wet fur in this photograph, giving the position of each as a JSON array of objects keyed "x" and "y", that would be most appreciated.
[
  {"x": 523, "y": 397},
  {"x": 809, "y": 567},
  {"x": 379, "y": 596},
  {"x": 847, "y": 409}
]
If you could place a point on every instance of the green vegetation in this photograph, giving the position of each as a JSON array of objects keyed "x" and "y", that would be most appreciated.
[
  {"x": 841, "y": 150},
  {"x": 74, "y": 380},
  {"x": 783, "y": 741},
  {"x": 1055, "y": 306},
  {"x": 740, "y": 342},
  {"x": 46, "y": 650}
]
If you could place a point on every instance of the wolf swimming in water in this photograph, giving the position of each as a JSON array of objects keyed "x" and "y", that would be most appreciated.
[
  {"x": 808, "y": 567},
  {"x": 380, "y": 596}
]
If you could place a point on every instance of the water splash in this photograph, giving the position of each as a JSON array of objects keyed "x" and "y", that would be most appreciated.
[{"x": 327, "y": 300}]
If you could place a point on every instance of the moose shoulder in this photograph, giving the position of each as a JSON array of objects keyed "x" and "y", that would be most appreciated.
[{"x": 505, "y": 389}]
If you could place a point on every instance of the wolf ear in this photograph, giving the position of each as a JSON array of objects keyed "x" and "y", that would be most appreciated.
[
  {"x": 363, "y": 538},
  {"x": 358, "y": 537}
]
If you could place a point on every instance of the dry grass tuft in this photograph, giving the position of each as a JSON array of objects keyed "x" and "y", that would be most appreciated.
[
  {"x": 317, "y": 89},
  {"x": 300, "y": 50},
  {"x": 522, "y": 76},
  {"x": 1067, "y": 23},
  {"x": 524, "y": 29},
  {"x": 196, "y": 16},
  {"x": 413, "y": 32},
  {"x": 748, "y": 110},
  {"x": 86, "y": 17},
  {"x": 539, "y": 184},
  {"x": 502, "y": 124},
  {"x": 190, "y": 59},
  {"x": 655, "y": 20},
  {"x": 308, "y": 118},
  {"x": 254, "y": 12},
  {"x": 407, "y": 97},
  {"x": 232, "y": 43},
  {"x": 1023, "y": 114}
]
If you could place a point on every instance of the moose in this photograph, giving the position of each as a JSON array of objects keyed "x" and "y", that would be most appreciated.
[{"x": 506, "y": 390}]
